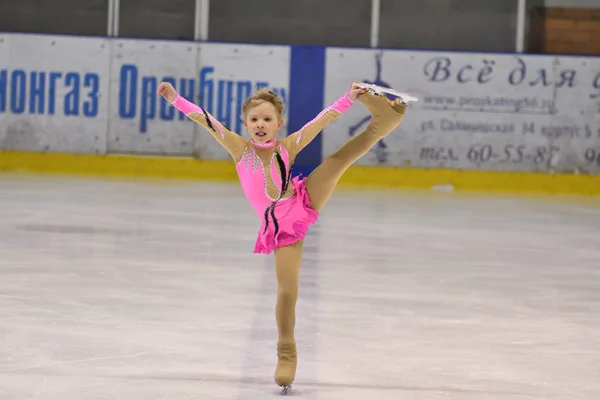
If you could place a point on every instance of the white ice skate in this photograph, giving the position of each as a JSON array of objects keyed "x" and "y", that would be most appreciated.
[{"x": 376, "y": 89}]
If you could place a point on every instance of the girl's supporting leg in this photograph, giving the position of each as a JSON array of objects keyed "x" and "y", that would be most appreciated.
[
  {"x": 386, "y": 116},
  {"x": 287, "y": 268}
]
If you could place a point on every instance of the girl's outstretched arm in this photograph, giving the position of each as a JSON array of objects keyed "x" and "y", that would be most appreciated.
[
  {"x": 231, "y": 141},
  {"x": 300, "y": 139}
]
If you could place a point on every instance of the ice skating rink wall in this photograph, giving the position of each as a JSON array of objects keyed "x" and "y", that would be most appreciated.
[{"x": 491, "y": 122}]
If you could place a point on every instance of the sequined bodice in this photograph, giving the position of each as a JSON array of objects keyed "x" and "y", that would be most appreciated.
[{"x": 260, "y": 177}]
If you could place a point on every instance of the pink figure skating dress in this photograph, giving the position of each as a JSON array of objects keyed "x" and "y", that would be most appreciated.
[{"x": 281, "y": 202}]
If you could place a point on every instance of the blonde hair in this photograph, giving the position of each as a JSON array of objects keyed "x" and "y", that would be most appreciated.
[{"x": 263, "y": 95}]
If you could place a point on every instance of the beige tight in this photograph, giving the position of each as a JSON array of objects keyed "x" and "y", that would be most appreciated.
[
  {"x": 320, "y": 185},
  {"x": 287, "y": 269}
]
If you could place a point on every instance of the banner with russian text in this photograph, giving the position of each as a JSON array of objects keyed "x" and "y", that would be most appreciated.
[
  {"x": 53, "y": 93},
  {"x": 218, "y": 77},
  {"x": 476, "y": 111},
  {"x": 98, "y": 96}
]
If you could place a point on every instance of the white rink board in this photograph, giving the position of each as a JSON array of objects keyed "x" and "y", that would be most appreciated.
[
  {"x": 141, "y": 121},
  {"x": 214, "y": 76},
  {"x": 53, "y": 93},
  {"x": 95, "y": 95},
  {"x": 99, "y": 95},
  {"x": 4, "y": 66},
  {"x": 473, "y": 118}
]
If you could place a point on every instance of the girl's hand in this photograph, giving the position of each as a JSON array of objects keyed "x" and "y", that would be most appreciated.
[
  {"x": 355, "y": 90},
  {"x": 166, "y": 90}
]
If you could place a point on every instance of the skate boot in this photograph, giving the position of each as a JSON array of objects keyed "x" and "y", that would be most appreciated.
[
  {"x": 286, "y": 365},
  {"x": 387, "y": 115}
]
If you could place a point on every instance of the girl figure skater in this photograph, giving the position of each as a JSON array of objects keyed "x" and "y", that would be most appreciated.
[{"x": 288, "y": 206}]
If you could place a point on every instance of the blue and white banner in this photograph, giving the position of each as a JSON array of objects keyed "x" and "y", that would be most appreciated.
[
  {"x": 88, "y": 95},
  {"x": 140, "y": 120},
  {"x": 476, "y": 111},
  {"x": 218, "y": 77},
  {"x": 53, "y": 93}
]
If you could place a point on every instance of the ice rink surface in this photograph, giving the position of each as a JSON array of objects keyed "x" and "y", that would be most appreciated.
[{"x": 150, "y": 291}]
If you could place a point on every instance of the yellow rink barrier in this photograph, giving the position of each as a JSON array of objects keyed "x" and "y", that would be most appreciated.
[{"x": 132, "y": 166}]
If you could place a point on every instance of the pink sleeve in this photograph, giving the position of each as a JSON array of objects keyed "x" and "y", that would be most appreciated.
[
  {"x": 341, "y": 105},
  {"x": 185, "y": 106}
]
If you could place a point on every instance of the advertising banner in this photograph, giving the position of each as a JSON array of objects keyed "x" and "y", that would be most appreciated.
[
  {"x": 53, "y": 93},
  {"x": 217, "y": 77},
  {"x": 476, "y": 111}
]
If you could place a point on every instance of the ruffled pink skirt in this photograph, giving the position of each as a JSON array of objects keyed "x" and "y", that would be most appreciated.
[{"x": 294, "y": 217}]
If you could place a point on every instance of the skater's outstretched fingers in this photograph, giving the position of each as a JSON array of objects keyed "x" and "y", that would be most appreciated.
[
  {"x": 356, "y": 90},
  {"x": 166, "y": 90}
]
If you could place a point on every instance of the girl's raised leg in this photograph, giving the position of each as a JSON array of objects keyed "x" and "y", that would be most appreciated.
[{"x": 386, "y": 116}]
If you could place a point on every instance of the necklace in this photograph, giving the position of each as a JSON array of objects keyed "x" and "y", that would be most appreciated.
[{"x": 268, "y": 145}]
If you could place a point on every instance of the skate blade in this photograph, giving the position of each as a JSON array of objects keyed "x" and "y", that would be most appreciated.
[
  {"x": 286, "y": 389},
  {"x": 376, "y": 89}
]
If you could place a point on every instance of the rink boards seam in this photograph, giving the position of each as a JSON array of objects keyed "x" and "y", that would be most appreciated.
[{"x": 160, "y": 167}]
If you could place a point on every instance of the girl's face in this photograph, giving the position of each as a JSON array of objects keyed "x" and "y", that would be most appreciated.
[{"x": 263, "y": 122}]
